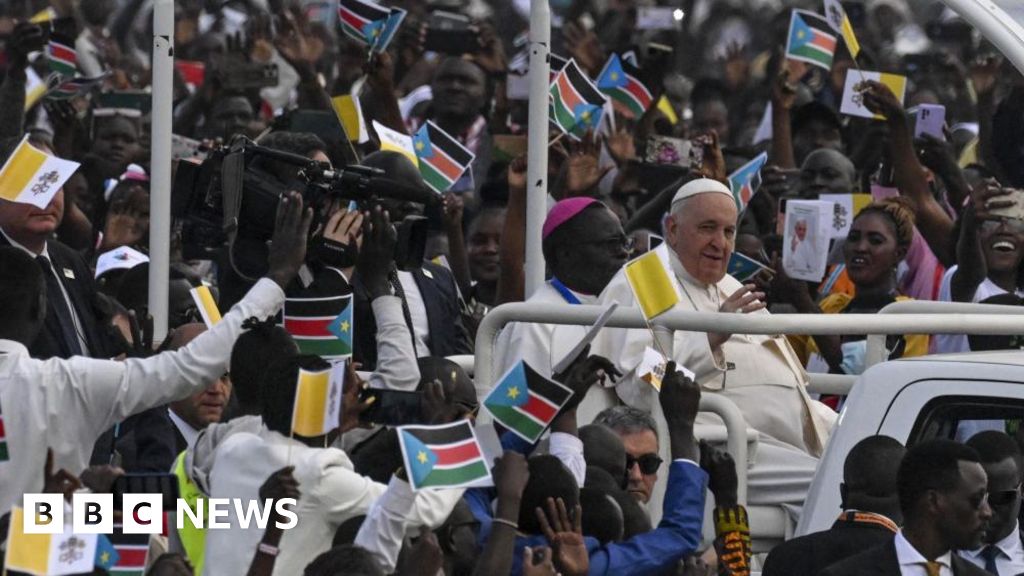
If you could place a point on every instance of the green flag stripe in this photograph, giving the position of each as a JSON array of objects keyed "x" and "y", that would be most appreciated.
[
  {"x": 562, "y": 115},
  {"x": 518, "y": 421},
  {"x": 455, "y": 476},
  {"x": 434, "y": 178},
  {"x": 3, "y": 451},
  {"x": 814, "y": 54},
  {"x": 324, "y": 347},
  {"x": 626, "y": 98}
]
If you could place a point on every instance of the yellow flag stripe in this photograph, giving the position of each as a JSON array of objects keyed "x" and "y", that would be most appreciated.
[
  {"x": 207, "y": 306},
  {"x": 347, "y": 113},
  {"x": 26, "y": 552},
  {"x": 311, "y": 404},
  {"x": 666, "y": 108},
  {"x": 850, "y": 38},
  {"x": 651, "y": 285},
  {"x": 20, "y": 169}
]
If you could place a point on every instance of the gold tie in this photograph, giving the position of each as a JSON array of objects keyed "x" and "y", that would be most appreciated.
[{"x": 932, "y": 568}]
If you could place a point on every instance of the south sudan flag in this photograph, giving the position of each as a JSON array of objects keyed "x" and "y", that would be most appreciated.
[
  {"x": 60, "y": 54},
  {"x": 811, "y": 39},
  {"x": 359, "y": 19},
  {"x": 526, "y": 402},
  {"x": 445, "y": 456},
  {"x": 71, "y": 88},
  {"x": 576, "y": 104},
  {"x": 442, "y": 159},
  {"x": 132, "y": 550},
  {"x": 620, "y": 80},
  {"x": 321, "y": 326}
]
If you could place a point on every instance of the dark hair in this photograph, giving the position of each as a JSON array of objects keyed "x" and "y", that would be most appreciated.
[
  {"x": 872, "y": 466},
  {"x": 634, "y": 518},
  {"x": 21, "y": 283},
  {"x": 603, "y": 448},
  {"x": 994, "y": 446},
  {"x": 378, "y": 456},
  {"x": 347, "y": 531},
  {"x": 262, "y": 342},
  {"x": 301, "y": 143},
  {"x": 279, "y": 386},
  {"x": 346, "y": 560},
  {"x": 457, "y": 390},
  {"x": 930, "y": 465},
  {"x": 627, "y": 420},
  {"x": 601, "y": 479},
  {"x": 549, "y": 478},
  {"x": 900, "y": 214},
  {"x": 602, "y": 516}
]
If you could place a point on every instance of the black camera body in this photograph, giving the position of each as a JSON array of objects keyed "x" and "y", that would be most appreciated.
[{"x": 234, "y": 194}]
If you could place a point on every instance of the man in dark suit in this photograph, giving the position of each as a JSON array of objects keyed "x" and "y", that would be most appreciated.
[
  {"x": 429, "y": 293},
  {"x": 943, "y": 496},
  {"x": 1002, "y": 551},
  {"x": 71, "y": 327},
  {"x": 870, "y": 514}
]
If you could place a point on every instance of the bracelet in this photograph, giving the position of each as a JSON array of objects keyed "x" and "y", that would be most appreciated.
[
  {"x": 508, "y": 523},
  {"x": 267, "y": 549}
]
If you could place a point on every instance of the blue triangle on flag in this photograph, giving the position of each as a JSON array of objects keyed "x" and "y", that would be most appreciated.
[
  {"x": 420, "y": 460},
  {"x": 513, "y": 389}
]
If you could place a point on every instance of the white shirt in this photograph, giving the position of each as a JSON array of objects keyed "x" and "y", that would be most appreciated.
[
  {"x": 418, "y": 311},
  {"x": 187, "y": 431},
  {"x": 331, "y": 493},
  {"x": 949, "y": 343},
  {"x": 79, "y": 332},
  {"x": 1011, "y": 560},
  {"x": 67, "y": 404},
  {"x": 912, "y": 563}
]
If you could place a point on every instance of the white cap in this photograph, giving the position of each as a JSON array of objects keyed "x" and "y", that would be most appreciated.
[
  {"x": 700, "y": 186},
  {"x": 121, "y": 258}
]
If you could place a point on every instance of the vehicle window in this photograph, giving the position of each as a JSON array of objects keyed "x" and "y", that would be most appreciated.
[{"x": 960, "y": 417}]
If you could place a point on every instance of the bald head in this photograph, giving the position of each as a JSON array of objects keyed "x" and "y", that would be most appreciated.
[
  {"x": 869, "y": 476},
  {"x": 826, "y": 171}
]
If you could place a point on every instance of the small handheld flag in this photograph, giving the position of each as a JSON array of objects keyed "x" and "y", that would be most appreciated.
[
  {"x": 321, "y": 326},
  {"x": 318, "y": 397},
  {"x": 106, "y": 555},
  {"x": 61, "y": 56},
  {"x": 70, "y": 88},
  {"x": 811, "y": 39},
  {"x": 370, "y": 23},
  {"x": 203, "y": 298},
  {"x": 652, "y": 368},
  {"x": 621, "y": 80},
  {"x": 576, "y": 104},
  {"x": 442, "y": 159},
  {"x": 31, "y": 176},
  {"x": 743, "y": 268},
  {"x": 48, "y": 554},
  {"x": 526, "y": 402},
  {"x": 840, "y": 22},
  {"x": 350, "y": 114},
  {"x": 651, "y": 285},
  {"x": 132, "y": 551},
  {"x": 395, "y": 142},
  {"x": 447, "y": 456},
  {"x": 746, "y": 180}
]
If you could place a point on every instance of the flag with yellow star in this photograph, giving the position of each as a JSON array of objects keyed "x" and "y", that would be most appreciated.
[
  {"x": 621, "y": 81},
  {"x": 811, "y": 39},
  {"x": 321, "y": 326},
  {"x": 447, "y": 456},
  {"x": 106, "y": 555},
  {"x": 576, "y": 104},
  {"x": 359, "y": 17},
  {"x": 442, "y": 159},
  {"x": 526, "y": 402}
]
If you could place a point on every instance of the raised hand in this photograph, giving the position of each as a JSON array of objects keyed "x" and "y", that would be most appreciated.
[
  {"x": 59, "y": 482},
  {"x": 517, "y": 175},
  {"x": 565, "y": 536},
  {"x": 288, "y": 246},
  {"x": 721, "y": 469},
  {"x": 621, "y": 146},
  {"x": 583, "y": 373},
  {"x": 280, "y": 484},
  {"x": 511, "y": 473},
  {"x": 680, "y": 399},
  {"x": 295, "y": 41},
  {"x": 584, "y": 46},
  {"x": 582, "y": 169},
  {"x": 534, "y": 566},
  {"x": 352, "y": 407},
  {"x": 879, "y": 99},
  {"x": 377, "y": 253}
]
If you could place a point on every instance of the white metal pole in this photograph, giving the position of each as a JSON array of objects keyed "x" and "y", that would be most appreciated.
[
  {"x": 160, "y": 165},
  {"x": 537, "y": 158}
]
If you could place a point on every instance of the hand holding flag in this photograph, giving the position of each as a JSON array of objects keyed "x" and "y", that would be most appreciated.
[
  {"x": 811, "y": 39},
  {"x": 526, "y": 402},
  {"x": 840, "y": 22}
]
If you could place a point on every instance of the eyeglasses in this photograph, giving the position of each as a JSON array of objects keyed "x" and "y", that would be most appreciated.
[
  {"x": 1003, "y": 497},
  {"x": 649, "y": 463},
  {"x": 619, "y": 242}
]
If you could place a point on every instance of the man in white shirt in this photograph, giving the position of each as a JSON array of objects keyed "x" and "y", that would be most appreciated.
[
  {"x": 944, "y": 500},
  {"x": 1002, "y": 552},
  {"x": 66, "y": 404}
]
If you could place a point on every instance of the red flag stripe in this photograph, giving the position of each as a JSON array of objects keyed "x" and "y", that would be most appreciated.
[
  {"x": 62, "y": 52},
  {"x": 445, "y": 165},
  {"x": 131, "y": 557},
  {"x": 634, "y": 87},
  {"x": 824, "y": 41},
  {"x": 352, "y": 19},
  {"x": 539, "y": 409},
  {"x": 570, "y": 97},
  {"x": 2, "y": 434},
  {"x": 308, "y": 327},
  {"x": 453, "y": 454}
]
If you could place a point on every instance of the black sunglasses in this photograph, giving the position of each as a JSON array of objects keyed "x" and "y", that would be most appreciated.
[{"x": 649, "y": 463}]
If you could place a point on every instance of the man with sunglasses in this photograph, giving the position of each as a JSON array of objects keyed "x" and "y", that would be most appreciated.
[
  {"x": 1001, "y": 552},
  {"x": 639, "y": 435}
]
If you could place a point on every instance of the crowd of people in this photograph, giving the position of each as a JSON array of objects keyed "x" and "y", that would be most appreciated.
[{"x": 620, "y": 482}]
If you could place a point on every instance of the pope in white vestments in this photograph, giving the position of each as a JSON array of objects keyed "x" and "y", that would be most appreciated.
[{"x": 760, "y": 374}]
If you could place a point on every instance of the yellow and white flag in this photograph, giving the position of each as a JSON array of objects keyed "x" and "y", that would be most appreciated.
[
  {"x": 35, "y": 88},
  {"x": 206, "y": 304},
  {"x": 32, "y": 176},
  {"x": 48, "y": 554},
  {"x": 853, "y": 100},
  {"x": 350, "y": 114},
  {"x": 651, "y": 285},
  {"x": 395, "y": 142},
  {"x": 318, "y": 397},
  {"x": 840, "y": 22}
]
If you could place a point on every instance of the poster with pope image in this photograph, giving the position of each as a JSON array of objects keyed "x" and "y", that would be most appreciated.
[{"x": 806, "y": 238}]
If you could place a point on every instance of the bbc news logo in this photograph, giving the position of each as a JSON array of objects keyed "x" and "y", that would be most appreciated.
[{"x": 143, "y": 513}]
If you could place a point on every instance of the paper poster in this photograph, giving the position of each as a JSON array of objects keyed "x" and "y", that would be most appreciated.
[
  {"x": 806, "y": 239},
  {"x": 929, "y": 119},
  {"x": 846, "y": 208},
  {"x": 853, "y": 104}
]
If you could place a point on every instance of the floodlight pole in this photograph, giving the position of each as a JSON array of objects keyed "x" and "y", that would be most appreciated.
[
  {"x": 160, "y": 165},
  {"x": 537, "y": 156}
]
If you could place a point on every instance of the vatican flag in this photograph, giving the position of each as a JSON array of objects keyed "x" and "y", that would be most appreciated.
[
  {"x": 318, "y": 397},
  {"x": 32, "y": 176},
  {"x": 651, "y": 284}
]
